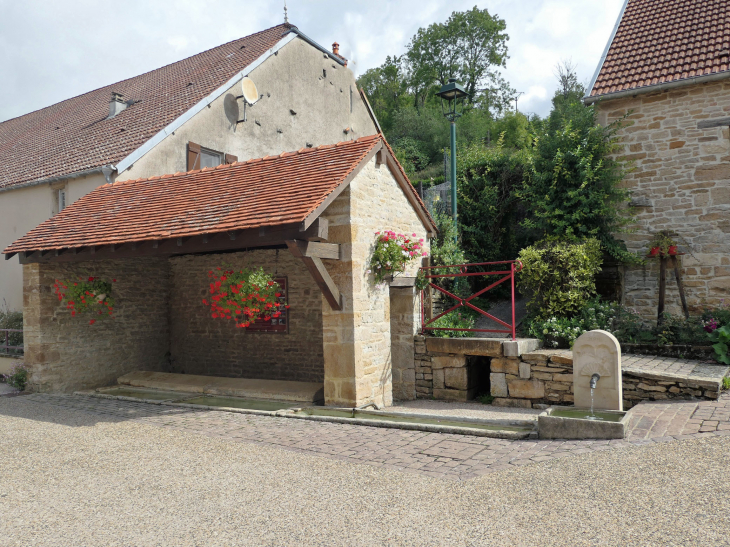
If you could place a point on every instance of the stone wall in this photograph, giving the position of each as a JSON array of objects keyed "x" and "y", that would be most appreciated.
[
  {"x": 66, "y": 353},
  {"x": 545, "y": 377},
  {"x": 450, "y": 368},
  {"x": 404, "y": 320},
  {"x": 214, "y": 347},
  {"x": 357, "y": 339},
  {"x": 681, "y": 183}
]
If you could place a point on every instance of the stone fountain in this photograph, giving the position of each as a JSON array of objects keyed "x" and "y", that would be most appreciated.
[{"x": 597, "y": 388}]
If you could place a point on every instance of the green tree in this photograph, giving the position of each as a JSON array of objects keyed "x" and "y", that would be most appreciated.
[
  {"x": 466, "y": 47},
  {"x": 387, "y": 89}
]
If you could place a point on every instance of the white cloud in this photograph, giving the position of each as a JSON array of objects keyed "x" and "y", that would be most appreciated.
[{"x": 50, "y": 51}]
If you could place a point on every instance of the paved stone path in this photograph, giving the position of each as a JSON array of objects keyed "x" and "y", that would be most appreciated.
[
  {"x": 458, "y": 457},
  {"x": 673, "y": 366}
]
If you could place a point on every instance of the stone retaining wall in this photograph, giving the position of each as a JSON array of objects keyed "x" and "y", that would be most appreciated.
[{"x": 545, "y": 377}]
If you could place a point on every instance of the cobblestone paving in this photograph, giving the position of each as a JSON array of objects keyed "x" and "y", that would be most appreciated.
[
  {"x": 458, "y": 457},
  {"x": 673, "y": 366}
]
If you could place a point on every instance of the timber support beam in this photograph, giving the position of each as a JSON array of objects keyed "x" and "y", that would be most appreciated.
[{"x": 318, "y": 271}]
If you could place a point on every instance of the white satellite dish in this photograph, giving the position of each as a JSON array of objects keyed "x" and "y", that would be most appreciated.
[{"x": 249, "y": 92}]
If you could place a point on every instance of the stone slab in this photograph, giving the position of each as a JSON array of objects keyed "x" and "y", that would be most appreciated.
[
  {"x": 515, "y": 348},
  {"x": 282, "y": 390},
  {"x": 498, "y": 383},
  {"x": 555, "y": 427},
  {"x": 485, "y": 347},
  {"x": 526, "y": 389},
  {"x": 453, "y": 394},
  {"x": 508, "y": 366},
  {"x": 448, "y": 361}
]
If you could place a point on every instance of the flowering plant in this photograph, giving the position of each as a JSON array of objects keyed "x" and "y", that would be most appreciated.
[
  {"x": 18, "y": 376},
  {"x": 244, "y": 296},
  {"x": 86, "y": 295},
  {"x": 392, "y": 253}
]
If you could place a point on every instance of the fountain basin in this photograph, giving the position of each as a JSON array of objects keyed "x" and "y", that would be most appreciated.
[{"x": 562, "y": 422}]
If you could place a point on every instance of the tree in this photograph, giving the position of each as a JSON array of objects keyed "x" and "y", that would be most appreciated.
[
  {"x": 465, "y": 47},
  {"x": 387, "y": 89}
]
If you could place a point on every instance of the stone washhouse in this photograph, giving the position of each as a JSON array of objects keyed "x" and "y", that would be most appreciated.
[{"x": 309, "y": 217}]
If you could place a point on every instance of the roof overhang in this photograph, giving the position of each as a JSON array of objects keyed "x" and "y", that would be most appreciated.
[{"x": 657, "y": 88}]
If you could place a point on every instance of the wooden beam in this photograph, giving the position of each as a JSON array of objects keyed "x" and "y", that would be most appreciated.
[
  {"x": 381, "y": 157},
  {"x": 717, "y": 122},
  {"x": 320, "y": 275},
  {"x": 315, "y": 249},
  {"x": 245, "y": 239}
]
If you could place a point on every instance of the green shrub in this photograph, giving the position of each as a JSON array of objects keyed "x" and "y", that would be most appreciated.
[
  {"x": 721, "y": 337},
  {"x": 560, "y": 276},
  {"x": 454, "y": 320},
  {"x": 18, "y": 376}
]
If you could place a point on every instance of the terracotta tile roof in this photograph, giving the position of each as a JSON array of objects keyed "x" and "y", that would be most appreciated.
[
  {"x": 660, "y": 41},
  {"x": 74, "y": 135},
  {"x": 270, "y": 191}
]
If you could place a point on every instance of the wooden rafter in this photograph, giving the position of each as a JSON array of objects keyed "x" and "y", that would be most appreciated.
[{"x": 319, "y": 273}]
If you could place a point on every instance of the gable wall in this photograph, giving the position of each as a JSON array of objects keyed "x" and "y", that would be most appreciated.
[{"x": 681, "y": 181}]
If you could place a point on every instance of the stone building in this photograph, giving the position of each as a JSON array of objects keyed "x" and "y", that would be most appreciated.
[
  {"x": 183, "y": 116},
  {"x": 667, "y": 70},
  {"x": 308, "y": 216}
]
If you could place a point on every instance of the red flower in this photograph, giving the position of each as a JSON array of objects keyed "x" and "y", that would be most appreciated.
[
  {"x": 205, "y": 301},
  {"x": 277, "y": 294},
  {"x": 287, "y": 306},
  {"x": 91, "y": 279},
  {"x": 73, "y": 313},
  {"x": 92, "y": 321},
  {"x": 114, "y": 280},
  {"x": 214, "y": 316}
]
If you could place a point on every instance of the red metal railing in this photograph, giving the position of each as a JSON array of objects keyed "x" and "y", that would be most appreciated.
[
  {"x": 508, "y": 275},
  {"x": 5, "y": 347}
]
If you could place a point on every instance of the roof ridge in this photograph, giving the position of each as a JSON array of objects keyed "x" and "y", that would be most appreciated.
[{"x": 148, "y": 71}]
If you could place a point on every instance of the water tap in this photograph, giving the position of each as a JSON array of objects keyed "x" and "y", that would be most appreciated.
[{"x": 594, "y": 380}]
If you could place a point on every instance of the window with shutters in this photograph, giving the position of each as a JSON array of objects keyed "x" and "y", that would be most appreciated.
[{"x": 200, "y": 157}]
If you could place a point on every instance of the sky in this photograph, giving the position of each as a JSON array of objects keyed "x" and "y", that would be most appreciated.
[{"x": 54, "y": 50}]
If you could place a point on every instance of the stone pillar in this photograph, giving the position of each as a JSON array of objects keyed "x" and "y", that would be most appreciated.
[
  {"x": 597, "y": 352},
  {"x": 403, "y": 327},
  {"x": 357, "y": 358}
]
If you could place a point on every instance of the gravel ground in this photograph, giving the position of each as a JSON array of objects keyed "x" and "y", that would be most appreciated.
[
  {"x": 5, "y": 389},
  {"x": 74, "y": 478},
  {"x": 469, "y": 410}
]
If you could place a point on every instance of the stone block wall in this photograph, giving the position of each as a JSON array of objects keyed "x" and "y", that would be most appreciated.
[
  {"x": 681, "y": 183},
  {"x": 215, "y": 347},
  {"x": 404, "y": 317},
  {"x": 545, "y": 377},
  {"x": 66, "y": 353},
  {"x": 357, "y": 339},
  {"x": 449, "y": 368}
]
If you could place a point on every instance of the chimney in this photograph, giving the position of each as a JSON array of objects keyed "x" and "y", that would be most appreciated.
[
  {"x": 116, "y": 105},
  {"x": 336, "y": 51}
]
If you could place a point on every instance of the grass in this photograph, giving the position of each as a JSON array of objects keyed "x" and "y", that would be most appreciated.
[{"x": 726, "y": 382}]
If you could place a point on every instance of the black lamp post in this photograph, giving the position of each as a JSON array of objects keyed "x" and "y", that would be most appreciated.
[{"x": 452, "y": 105}]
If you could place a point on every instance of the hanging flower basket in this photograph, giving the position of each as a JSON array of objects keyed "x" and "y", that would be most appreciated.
[
  {"x": 244, "y": 296},
  {"x": 393, "y": 252},
  {"x": 86, "y": 296}
]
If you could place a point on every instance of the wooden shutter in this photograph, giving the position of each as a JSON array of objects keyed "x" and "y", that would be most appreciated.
[
  {"x": 230, "y": 158},
  {"x": 193, "y": 156}
]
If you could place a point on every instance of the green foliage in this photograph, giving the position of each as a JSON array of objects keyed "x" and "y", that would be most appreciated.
[
  {"x": 560, "y": 276},
  {"x": 12, "y": 320},
  {"x": 721, "y": 339},
  {"x": 488, "y": 205},
  {"x": 561, "y": 332},
  {"x": 678, "y": 330},
  {"x": 445, "y": 251},
  {"x": 726, "y": 382},
  {"x": 411, "y": 155},
  {"x": 454, "y": 320},
  {"x": 485, "y": 399},
  {"x": 392, "y": 252},
  {"x": 387, "y": 89},
  {"x": 18, "y": 376},
  {"x": 573, "y": 190}
]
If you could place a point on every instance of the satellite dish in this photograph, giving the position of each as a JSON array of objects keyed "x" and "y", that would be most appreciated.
[{"x": 250, "y": 93}]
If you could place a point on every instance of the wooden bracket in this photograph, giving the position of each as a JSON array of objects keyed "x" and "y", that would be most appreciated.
[
  {"x": 316, "y": 249},
  {"x": 319, "y": 273}
]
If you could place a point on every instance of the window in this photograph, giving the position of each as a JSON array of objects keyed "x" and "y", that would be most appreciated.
[
  {"x": 208, "y": 158},
  {"x": 199, "y": 157},
  {"x": 59, "y": 200}
]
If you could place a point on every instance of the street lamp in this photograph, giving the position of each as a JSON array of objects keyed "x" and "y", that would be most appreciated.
[{"x": 452, "y": 96}]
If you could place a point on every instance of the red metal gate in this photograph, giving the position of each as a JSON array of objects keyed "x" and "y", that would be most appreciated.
[{"x": 463, "y": 271}]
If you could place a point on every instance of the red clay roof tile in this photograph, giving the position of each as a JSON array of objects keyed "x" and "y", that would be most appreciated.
[
  {"x": 268, "y": 191},
  {"x": 74, "y": 135},
  {"x": 694, "y": 34}
]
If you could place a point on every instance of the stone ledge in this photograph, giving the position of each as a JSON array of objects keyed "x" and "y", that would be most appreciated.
[
  {"x": 484, "y": 347},
  {"x": 515, "y": 348}
]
